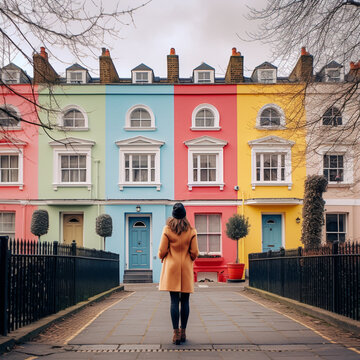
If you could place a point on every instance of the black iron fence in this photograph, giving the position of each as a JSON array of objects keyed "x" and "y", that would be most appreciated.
[
  {"x": 38, "y": 279},
  {"x": 328, "y": 277}
]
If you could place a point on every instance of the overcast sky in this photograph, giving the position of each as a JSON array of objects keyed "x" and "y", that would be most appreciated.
[{"x": 199, "y": 30}]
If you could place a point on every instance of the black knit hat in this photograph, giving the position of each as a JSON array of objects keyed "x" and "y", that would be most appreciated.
[{"x": 179, "y": 211}]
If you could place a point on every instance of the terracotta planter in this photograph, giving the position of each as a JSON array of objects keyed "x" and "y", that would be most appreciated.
[{"x": 235, "y": 271}]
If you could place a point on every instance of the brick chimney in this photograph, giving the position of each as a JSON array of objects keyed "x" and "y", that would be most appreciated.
[
  {"x": 108, "y": 73},
  {"x": 303, "y": 70},
  {"x": 354, "y": 72},
  {"x": 172, "y": 67},
  {"x": 43, "y": 71},
  {"x": 235, "y": 70}
]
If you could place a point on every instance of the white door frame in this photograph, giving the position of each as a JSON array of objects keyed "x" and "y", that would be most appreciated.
[{"x": 127, "y": 216}]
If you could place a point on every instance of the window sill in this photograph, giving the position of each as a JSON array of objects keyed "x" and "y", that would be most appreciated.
[
  {"x": 214, "y": 128},
  {"x": 220, "y": 185},
  {"x": 10, "y": 128},
  {"x": 71, "y": 185},
  {"x": 281, "y": 127},
  {"x": 63, "y": 128},
  {"x": 140, "y": 129},
  {"x": 339, "y": 185},
  {"x": 19, "y": 185},
  {"x": 140, "y": 185},
  {"x": 289, "y": 185}
]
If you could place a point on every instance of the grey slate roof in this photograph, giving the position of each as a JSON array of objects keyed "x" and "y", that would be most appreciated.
[
  {"x": 266, "y": 65},
  {"x": 204, "y": 66},
  {"x": 142, "y": 67},
  {"x": 12, "y": 66},
  {"x": 76, "y": 66}
]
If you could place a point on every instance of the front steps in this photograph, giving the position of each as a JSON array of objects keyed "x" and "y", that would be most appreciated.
[{"x": 138, "y": 276}]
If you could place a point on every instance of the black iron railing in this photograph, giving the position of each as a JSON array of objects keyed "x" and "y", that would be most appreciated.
[
  {"x": 38, "y": 279},
  {"x": 327, "y": 277}
]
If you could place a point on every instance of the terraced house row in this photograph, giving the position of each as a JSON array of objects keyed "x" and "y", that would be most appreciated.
[{"x": 131, "y": 147}]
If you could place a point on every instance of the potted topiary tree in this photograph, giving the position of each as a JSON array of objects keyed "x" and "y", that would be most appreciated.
[
  {"x": 104, "y": 226},
  {"x": 40, "y": 223},
  {"x": 237, "y": 228}
]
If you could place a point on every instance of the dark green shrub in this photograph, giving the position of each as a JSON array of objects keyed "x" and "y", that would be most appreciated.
[
  {"x": 237, "y": 227},
  {"x": 104, "y": 225},
  {"x": 40, "y": 222},
  {"x": 313, "y": 211}
]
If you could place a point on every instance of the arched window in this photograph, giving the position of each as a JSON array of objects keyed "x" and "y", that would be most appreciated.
[
  {"x": 9, "y": 117},
  {"x": 332, "y": 117},
  {"x": 270, "y": 116},
  {"x": 205, "y": 117},
  {"x": 140, "y": 117},
  {"x": 74, "y": 118}
]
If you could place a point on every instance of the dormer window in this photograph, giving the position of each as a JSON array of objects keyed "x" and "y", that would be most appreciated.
[
  {"x": 333, "y": 75},
  {"x": 142, "y": 74},
  {"x": 204, "y": 74},
  {"x": 76, "y": 77},
  {"x": 141, "y": 77},
  {"x": 10, "y": 76},
  {"x": 76, "y": 74},
  {"x": 267, "y": 76}
]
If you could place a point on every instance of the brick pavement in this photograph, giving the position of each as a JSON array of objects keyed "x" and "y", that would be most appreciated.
[{"x": 223, "y": 325}]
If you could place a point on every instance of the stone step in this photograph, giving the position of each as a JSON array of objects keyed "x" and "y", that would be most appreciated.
[{"x": 138, "y": 276}]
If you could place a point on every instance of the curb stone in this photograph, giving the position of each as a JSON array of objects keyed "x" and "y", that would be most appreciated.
[
  {"x": 28, "y": 332},
  {"x": 334, "y": 319}
]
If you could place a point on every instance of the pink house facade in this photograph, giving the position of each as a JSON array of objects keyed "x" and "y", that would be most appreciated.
[
  {"x": 18, "y": 159},
  {"x": 205, "y": 138}
]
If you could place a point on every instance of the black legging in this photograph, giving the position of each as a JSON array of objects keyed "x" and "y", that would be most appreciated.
[{"x": 174, "y": 308}]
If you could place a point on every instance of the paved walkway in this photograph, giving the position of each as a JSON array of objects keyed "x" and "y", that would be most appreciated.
[{"x": 223, "y": 324}]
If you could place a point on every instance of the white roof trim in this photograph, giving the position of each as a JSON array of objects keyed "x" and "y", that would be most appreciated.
[
  {"x": 139, "y": 141},
  {"x": 206, "y": 141},
  {"x": 271, "y": 140}
]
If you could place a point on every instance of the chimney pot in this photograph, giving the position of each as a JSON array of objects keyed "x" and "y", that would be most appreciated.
[
  {"x": 352, "y": 65},
  {"x": 303, "y": 51},
  {"x": 103, "y": 51},
  {"x": 107, "y": 52},
  {"x": 43, "y": 53},
  {"x": 172, "y": 51},
  {"x": 233, "y": 51}
]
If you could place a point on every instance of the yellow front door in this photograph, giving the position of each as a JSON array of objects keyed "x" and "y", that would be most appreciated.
[{"x": 73, "y": 229}]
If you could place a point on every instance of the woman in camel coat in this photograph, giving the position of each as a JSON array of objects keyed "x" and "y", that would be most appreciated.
[{"x": 178, "y": 250}]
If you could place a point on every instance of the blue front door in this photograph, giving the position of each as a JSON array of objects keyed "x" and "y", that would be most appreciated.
[
  {"x": 139, "y": 243},
  {"x": 271, "y": 232}
]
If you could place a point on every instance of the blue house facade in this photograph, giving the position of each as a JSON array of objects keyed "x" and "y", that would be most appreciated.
[{"x": 139, "y": 173}]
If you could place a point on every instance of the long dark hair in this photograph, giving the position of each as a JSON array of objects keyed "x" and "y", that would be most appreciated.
[{"x": 178, "y": 225}]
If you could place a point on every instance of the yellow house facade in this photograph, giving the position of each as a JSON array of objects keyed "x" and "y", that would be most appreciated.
[{"x": 271, "y": 165}]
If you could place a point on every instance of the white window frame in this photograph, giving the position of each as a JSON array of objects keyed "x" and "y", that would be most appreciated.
[
  {"x": 211, "y": 108},
  {"x": 19, "y": 151},
  {"x": 12, "y": 108},
  {"x": 69, "y": 128},
  {"x": 331, "y": 79},
  {"x": 273, "y": 127},
  {"x": 271, "y": 145},
  {"x": 208, "y": 146},
  {"x": 149, "y": 75},
  {"x": 5, "y": 73},
  {"x": 139, "y": 145},
  {"x": 267, "y": 81},
  {"x": 7, "y": 233},
  {"x": 128, "y": 119},
  {"x": 71, "y": 146},
  {"x": 348, "y": 156},
  {"x": 83, "y": 77},
  {"x": 338, "y": 232},
  {"x": 211, "y": 80},
  {"x": 208, "y": 233}
]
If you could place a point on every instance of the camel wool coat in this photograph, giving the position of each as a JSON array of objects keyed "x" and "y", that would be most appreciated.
[{"x": 178, "y": 253}]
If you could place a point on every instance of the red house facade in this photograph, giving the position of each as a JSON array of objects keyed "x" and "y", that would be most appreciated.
[
  {"x": 18, "y": 158},
  {"x": 205, "y": 168}
]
